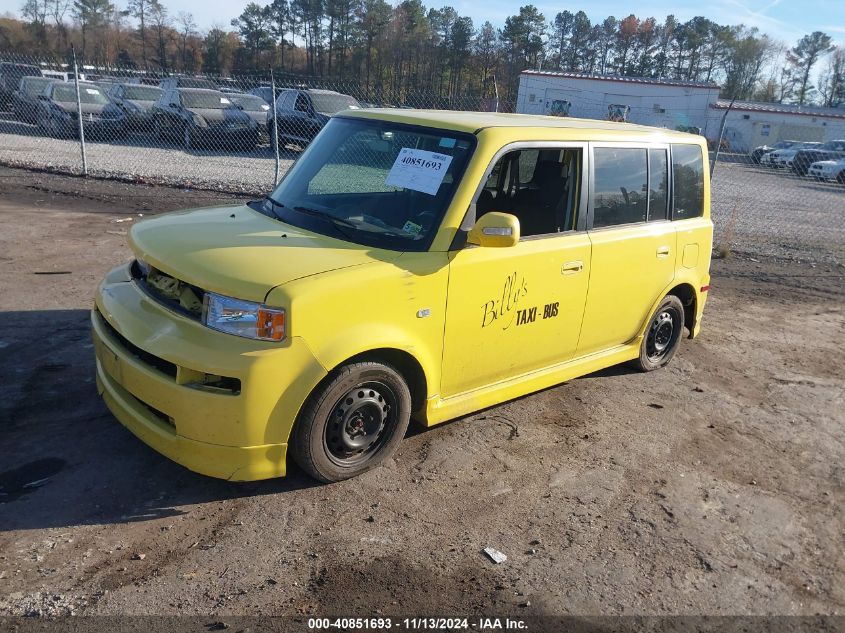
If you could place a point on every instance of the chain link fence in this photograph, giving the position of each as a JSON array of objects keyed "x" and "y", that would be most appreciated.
[{"x": 784, "y": 197}]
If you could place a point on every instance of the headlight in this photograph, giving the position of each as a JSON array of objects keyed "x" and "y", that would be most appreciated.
[{"x": 243, "y": 318}]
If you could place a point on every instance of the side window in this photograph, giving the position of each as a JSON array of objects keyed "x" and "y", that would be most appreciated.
[
  {"x": 687, "y": 182},
  {"x": 288, "y": 100},
  {"x": 301, "y": 103},
  {"x": 658, "y": 185},
  {"x": 539, "y": 186},
  {"x": 620, "y": 187}
]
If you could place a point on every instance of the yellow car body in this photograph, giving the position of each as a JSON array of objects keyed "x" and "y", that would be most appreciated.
[{"x": 468, "y": 326}]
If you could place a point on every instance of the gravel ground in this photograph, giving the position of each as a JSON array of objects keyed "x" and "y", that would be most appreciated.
[
  {"x": 755, "y": 209},
  {"x": 137, "y": 158},
  {"x": 714, "y": 486}
]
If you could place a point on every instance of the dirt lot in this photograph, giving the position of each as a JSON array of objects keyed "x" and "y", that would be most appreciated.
[{"x": 714, "y": 486}]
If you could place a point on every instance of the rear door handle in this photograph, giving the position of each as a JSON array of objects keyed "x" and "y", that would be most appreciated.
[
  {"x": 663, "y": 251},
  {"x": 570, "y": 268}
]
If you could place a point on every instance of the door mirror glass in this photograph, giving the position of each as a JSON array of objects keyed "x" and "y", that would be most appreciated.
[{"x": 495, "y": 229}]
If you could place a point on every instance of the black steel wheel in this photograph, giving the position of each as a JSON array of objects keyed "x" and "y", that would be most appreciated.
[
  {"x": 352, "y": 421},
  {"x": 662, "y": 336}
]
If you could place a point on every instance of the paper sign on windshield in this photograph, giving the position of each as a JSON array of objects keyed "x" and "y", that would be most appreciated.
[
  {"x": 92, "y": 91},
  {"x": 419, "y": 170}
]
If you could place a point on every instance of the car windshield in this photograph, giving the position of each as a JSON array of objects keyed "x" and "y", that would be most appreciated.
[
  {"x": 88, "y": 93},
  {"x": 142, "y": 93},
  {"x": 250, "y": 103},
  {"x": 332, "y": 103},
  {"x": 375, "y": 182},
  {"x": 35, "y": 85},
  {"x": 783, "y": 144},
  {"x": 837, "y": 145},
  {"x": 206, "y": 100}
]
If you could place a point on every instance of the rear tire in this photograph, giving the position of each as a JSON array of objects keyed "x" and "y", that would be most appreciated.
[
  {"x": 352, "y": 422},
  {"x": 662, "y": 336}
]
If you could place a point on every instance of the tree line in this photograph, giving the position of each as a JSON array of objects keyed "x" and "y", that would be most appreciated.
[{"x": 398, "y": 52}]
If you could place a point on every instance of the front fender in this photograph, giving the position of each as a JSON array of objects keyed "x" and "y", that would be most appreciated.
[{"x": 395, "y": 305}]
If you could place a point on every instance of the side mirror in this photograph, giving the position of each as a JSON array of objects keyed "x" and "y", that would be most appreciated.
[{"x": 495, "y": 229}]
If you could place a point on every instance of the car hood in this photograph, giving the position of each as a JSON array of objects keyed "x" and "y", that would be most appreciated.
[
  {"x": 259, "y": 116},
  {"x": 239, "y": 252},
  {"x": 213, "y": 115},
  {"x": 144, "y": 106}
]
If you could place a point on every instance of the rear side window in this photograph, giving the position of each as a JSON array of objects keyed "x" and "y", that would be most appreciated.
[
  {"x": 620, "y": 194},
  {"x": 687, "y": 181}
]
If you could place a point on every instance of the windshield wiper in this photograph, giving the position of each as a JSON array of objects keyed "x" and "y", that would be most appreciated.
[
  {"x": 272, "y": 207},
  {"x": 339, "y": 223}
]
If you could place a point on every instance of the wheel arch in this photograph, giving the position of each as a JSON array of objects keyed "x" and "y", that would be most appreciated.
[
  {"x": 686, "y": 291},
  {"x": 402, "y": 361},
  {"x": 689, "y": 299}
]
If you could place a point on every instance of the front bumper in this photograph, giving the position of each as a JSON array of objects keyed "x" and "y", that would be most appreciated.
[
  {"x": 98, "y": 128},
  {"x": 149, "y": 360},
  {"x": 225, "y": 136}
]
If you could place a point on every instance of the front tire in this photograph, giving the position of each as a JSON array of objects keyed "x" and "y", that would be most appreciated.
[
  {"x": 188, "y": 139},
  {"x": 352, "y": 422},
  {"x": 662, "y": 336}
]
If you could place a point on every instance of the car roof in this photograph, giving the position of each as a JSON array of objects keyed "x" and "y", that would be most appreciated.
[
  {"x": 464, "y": 121},
  {"x": 210, "y": 90},
  {"x": 135, "y": 85}
]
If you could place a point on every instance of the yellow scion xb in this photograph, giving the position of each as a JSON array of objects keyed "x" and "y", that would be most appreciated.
[{"x": 410, "y": 264}]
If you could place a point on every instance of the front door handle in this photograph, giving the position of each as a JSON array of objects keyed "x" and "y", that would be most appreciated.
[
  {"x": 570, "y": 268},
  {"x": 663, "y": 251}
]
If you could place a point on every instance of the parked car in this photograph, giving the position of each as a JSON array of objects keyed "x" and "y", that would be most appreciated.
[
  {"x": 62, "y": 76},
  {"x": 25, "y": 101},
  {"x": 781, "y": 158},
  {"x": 383, "y": 279},
  {"x": 829, "y": 170},
  {"x": 831, "y": 150},
  {"x": 136, "y": 101},
  {"x": 10, "y": 78},
  {"x": 757, "y": 153},
  {"x": 265, "y": 92},
  {"x": 228, "y": 85},
  {"x": 58, "y": 114},
  {"x": 170, "y": 83},
  {"x": 303, "y": 113},
  {"x": 255, "y": 107},
  {"x": 197, "y": 116}
]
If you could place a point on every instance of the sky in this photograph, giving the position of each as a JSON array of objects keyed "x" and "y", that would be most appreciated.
[{"x": 786, "y": 20}]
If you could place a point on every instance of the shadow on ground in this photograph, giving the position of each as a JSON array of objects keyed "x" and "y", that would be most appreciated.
[{"x": 66, "y": 459}]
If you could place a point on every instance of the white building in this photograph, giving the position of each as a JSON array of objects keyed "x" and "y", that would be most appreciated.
[
  {"x": 676, "y": 105},
  {"x": 658, "y": 102},
  {"x": 750, "y": 124}
]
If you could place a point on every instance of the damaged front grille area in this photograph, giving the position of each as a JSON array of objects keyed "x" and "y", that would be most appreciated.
[
  {"x": 175, "y": 294},
  {"x": 164, "y": 366}
]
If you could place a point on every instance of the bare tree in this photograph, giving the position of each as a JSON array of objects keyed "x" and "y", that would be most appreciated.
[{"x": 187, "y": 28}]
